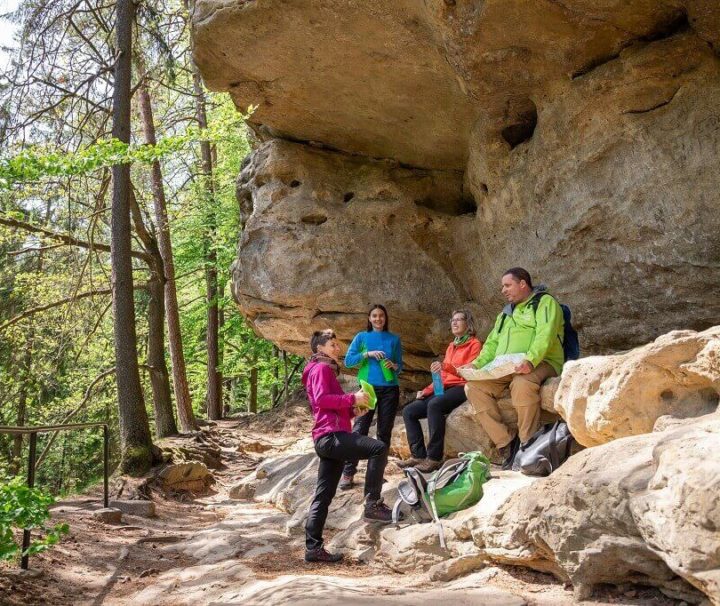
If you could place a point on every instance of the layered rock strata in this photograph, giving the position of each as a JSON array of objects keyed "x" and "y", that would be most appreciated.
[{"x": 437, "y": 143}]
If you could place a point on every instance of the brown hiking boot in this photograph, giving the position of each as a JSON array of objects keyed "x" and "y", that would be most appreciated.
[
  {"x": 411, "y": 462},
  {"x": 428, "y": 466},
  {"x": 377, "y": 511},
  {"x": 508, "y": 453}
]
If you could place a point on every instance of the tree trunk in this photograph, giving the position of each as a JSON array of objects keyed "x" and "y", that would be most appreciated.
[
  {"x": 214, "y": 379},
  {"x": 276, "y": 374},
  {"x": 286, "y": 377},
  {"x": 135, "y": 438},
  {"x": 159, "y": 380},
  {"x": 253, "y": 389},
  {"x": 177, "y": 358}
]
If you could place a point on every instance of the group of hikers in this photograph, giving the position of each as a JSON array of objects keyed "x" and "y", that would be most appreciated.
[{"x": 531, "y": 324}]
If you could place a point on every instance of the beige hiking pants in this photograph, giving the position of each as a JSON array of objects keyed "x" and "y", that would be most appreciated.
[{"x": 525, "y": 394}]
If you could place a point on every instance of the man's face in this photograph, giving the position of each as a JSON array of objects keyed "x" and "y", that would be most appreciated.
[{"x": 514, "y": 290}]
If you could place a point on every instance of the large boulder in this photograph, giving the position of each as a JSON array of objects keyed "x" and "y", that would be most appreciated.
[
  {"x": 436, "y": 144},
  {"x": 641, "y": 509},
  {"x": 608, "y": 397}
]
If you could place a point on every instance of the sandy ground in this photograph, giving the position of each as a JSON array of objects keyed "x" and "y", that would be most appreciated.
[{"x": 214, "y": 550}]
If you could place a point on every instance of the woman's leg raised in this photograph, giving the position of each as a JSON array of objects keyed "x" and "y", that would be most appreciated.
[{"x": 361, "y": 426}]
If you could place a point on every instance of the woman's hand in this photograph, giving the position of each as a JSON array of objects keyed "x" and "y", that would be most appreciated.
[
  {"x": 419, "y": 395},
  {"x": 436, "y": 367},
  {"x": 359, "y": 411},
  {"x": 361, "y": 398},
  {"x": 377, "y": 354},
  {"x": 389, "y": 364}
]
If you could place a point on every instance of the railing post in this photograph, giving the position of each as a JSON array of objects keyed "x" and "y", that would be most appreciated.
[
  {"x": 31, "y": 483},
  {"x": 106, "y": 459}
]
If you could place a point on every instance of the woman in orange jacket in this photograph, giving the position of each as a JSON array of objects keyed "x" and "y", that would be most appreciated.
[{"x": 464, "y": 348}]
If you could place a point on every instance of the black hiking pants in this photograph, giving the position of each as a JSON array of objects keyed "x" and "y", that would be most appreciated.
[
  {"x": 435, "y": 409},
  {"x": 333, "y": 449},
  {"x": 388, "y": 400}
]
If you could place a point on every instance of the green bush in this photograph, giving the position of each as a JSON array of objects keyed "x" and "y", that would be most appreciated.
[{"x": 25, "y": 508}]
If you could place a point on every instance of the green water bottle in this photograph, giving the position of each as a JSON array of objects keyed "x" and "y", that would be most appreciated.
[{"x": 388, "y": 374}]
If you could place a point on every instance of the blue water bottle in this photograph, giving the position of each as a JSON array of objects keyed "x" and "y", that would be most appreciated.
[{"x": 438, "y": 388}]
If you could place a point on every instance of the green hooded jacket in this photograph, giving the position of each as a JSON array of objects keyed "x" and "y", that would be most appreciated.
[{"x": 538, "y": 335}]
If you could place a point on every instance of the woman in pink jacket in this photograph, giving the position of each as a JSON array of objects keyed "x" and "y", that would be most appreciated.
[{"x": 335, "y": 443}]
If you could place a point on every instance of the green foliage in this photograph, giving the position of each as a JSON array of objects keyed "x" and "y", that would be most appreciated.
[
  {"x": 25, "y": 508},
  {"x": 37, "y": 162}
]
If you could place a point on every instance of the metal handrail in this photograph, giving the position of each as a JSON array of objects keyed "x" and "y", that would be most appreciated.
[{"x": 33, "y": 432}]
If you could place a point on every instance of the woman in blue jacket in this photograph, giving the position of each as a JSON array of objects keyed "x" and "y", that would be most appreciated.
[{"x": 377, "y": 353}]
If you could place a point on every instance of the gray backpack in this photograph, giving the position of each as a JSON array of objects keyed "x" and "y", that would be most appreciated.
[{"x": 545, "y": 451}]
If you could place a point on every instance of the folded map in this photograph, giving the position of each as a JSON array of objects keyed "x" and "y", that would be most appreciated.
[{"x": 500, "y": 367}]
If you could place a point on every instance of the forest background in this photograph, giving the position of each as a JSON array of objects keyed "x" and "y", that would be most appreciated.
[{"x": 68, "y": 81}]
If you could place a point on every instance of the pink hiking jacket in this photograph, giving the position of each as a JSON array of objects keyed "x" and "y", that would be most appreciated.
[{"x": 331, "y": 407}]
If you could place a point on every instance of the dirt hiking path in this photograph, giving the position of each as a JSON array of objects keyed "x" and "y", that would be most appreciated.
[{"x": 216, "y": 550}]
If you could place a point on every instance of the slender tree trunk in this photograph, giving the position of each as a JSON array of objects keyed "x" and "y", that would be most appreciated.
[
  {"x": 214, "y": 379},
  {"x": 286, "y": 378},
  {"x": 136, "y": 441},
  {"x": 162, "y": 227},
  {"x": 276, "y": 374},
  {"x": 159, "y": 380},
  {"x": 21, "y": 417},
  {"x": 253, "y": 389}
]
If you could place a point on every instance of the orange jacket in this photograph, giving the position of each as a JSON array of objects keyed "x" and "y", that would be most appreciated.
[{"x": 456, "y": 356}]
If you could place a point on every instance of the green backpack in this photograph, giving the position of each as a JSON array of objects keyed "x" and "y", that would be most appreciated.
[{"x": 457, "y": 485}]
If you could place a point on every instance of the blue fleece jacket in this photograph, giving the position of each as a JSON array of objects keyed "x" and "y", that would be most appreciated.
[{"x": 369, "y": 369}]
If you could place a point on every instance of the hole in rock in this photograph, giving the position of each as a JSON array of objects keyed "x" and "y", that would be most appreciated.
[
  {"x": 522, "y": 129},
  {"x": 484, "y": 188},
  {"x": 295, "y": 183},
  {"x": 676, "y": 24},
  {"x": 314, "y": 219},
  {"x": 667, "y": 395},
  {"x": 348, "y": 196}
]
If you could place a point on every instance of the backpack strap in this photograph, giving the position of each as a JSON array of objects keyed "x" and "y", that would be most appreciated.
[
  {"x": 552, "y": 443},
  {"x": 434, "y": 513},
  {"x": 396, "y": 510}
]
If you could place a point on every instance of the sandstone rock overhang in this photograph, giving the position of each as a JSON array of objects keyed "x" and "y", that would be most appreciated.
[{"x": 579, "y": 138}]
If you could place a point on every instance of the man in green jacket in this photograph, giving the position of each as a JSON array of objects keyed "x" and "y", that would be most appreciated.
[{"x": 531, "y": 324}]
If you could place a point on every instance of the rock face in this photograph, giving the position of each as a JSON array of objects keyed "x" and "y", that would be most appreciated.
[
  {"x": 436, "y": 144},
  {"x": 640, "y": 509},
  {"x": 608, "y": 397}
]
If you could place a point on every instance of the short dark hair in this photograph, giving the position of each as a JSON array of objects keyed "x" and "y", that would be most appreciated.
[
  {"x": 320, "y": 337},
  {"x": 520, "y": 274},
  {"x": 386, "y": 328}
]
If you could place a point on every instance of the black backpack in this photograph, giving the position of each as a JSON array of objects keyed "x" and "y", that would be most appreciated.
[
  {"x": 571, "y": 342},
  {"x": 545, "y": 451}
]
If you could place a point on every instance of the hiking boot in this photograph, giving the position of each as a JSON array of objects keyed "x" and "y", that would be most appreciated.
[
  {"x": 508, "y": 453},
  {"x": 411, "y": 462},
  {"x": 346, "y": 482},
  {"x": 377, "y": 511},
  {"x": 321, "y": 555},
  {"x": 428, "y": 466}
]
